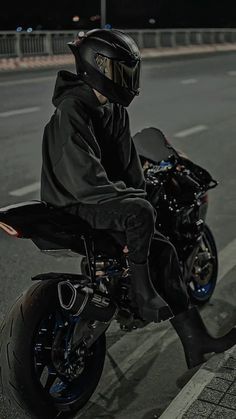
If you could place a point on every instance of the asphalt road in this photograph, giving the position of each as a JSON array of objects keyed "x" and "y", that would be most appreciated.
[{"x": 193, "y": 102}]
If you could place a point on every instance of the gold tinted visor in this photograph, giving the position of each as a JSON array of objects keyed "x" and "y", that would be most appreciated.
[{"x": 124, "y": 73}]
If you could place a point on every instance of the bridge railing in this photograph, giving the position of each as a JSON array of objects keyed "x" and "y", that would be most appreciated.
[{"x": 40, "y": 43}]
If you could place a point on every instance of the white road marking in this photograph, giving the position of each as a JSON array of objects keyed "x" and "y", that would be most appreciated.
[
  {"x": 19, "y": 111},
  {"x": 190, "y": 131},
  {"x": 227, "y": 259},
  {"x": 232, "y": 73},
  {"x": 26, "y": 189},
  {"x": 26, "y": 81},
  {"x": 189, "y": 81}
]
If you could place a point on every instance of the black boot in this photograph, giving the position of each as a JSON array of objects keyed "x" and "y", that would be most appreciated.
[
  {"x": 195, "y": 338},
  {"x": 150, "y": 304}
]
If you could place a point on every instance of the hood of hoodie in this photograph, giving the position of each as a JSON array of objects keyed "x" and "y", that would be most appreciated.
[{"x": 69, "y": 85}]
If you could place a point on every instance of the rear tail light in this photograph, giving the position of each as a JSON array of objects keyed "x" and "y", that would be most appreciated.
[{"x": 10, "y": 230}]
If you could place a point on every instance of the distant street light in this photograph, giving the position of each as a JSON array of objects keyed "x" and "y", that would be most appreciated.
[
  {"x": 103, "y": 13},
  {"x": 76, "y": 18},
  {"x": 94, "y": 18},
  {"x": 152, "y": 21}
]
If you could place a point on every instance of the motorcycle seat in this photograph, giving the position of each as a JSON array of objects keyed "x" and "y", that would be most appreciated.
[
  {"x": 31, "y": 213},
  {"x": 52, "y": 228}
]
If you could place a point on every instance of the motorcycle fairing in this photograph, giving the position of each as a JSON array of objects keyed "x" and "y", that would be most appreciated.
[
  {"x": 152, "y": 144},
  {"x": 21, "y": 216}
]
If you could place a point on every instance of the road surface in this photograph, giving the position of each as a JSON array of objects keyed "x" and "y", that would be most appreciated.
[{"x": 193, "y": 101}]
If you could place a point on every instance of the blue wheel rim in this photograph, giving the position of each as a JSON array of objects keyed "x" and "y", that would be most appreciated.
[{"x": 58, "y": 387}]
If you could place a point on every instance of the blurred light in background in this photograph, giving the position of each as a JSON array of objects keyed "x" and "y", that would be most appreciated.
[
  {"x": 30, "y": 30},
  {"x": 81, "y": 34},
  {"x": 107, "y": 26},
  {"x": 94, "y": 18},
  {"x": 152, "y": 21},
  {"x": 19, "y": 29},
  {"x": 138, "y": 14},
  {"x": 76, "y": 18}
]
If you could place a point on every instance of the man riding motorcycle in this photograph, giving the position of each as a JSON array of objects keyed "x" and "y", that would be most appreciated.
[{"x": 91, "y": 169}]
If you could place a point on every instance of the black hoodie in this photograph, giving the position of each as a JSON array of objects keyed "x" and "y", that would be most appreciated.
[{"x": 88, "y": 152}]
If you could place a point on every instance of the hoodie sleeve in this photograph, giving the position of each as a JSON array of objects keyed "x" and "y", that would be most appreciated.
[
  {"x": 132, "y": 169},
  {"x": 79, "y": 167}
]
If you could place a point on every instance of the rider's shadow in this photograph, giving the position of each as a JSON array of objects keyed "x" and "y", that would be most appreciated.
[
  {"x": 122, "y": 396},
  {"x": 124, "y": 392}
]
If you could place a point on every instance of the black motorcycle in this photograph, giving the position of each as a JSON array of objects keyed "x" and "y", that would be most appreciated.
[{"x": 53, "y": 341}]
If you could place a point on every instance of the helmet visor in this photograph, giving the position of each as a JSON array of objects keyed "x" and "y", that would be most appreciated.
[{"x": 124, "y": 73}]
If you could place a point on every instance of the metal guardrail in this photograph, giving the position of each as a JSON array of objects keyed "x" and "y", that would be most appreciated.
[{"x": 24, "y": 44}]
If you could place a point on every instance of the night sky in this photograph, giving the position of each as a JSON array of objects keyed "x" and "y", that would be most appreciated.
[{"x": 120, "y": 13}]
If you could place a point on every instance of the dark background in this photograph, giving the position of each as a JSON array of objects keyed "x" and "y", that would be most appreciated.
[{"x": 120, "y": 13}]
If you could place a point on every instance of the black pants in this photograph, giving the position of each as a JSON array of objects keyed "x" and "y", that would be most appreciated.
[{"x": 136, "y": 218}]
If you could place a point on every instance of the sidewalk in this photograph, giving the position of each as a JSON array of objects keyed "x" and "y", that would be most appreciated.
[
  {"x": 211, "y": 393},
  {"x": 24, "y": 63}
]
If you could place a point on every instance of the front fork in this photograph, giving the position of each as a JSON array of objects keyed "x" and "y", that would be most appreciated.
[{"x": 189, "y": 262}]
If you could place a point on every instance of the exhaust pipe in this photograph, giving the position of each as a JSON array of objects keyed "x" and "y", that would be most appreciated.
[{"x": 82, "y": 301}]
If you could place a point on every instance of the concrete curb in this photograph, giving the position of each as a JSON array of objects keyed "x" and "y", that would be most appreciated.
[
  {"x": 203, "y": 49},
  {"x": 34, "y": 62},
  {"x": 212, "y": 370},
  {"x": 28, "y": 63}
]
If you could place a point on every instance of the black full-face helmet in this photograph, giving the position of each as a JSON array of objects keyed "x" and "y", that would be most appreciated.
[{"x": 109, "y": 61}]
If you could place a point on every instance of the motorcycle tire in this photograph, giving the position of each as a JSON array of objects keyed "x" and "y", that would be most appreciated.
[
  {"x": 22, "y": 391},
  {"x": 203, "y": 291}
]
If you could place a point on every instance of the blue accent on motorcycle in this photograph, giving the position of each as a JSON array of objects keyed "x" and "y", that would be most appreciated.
[{"x": 202, "y": 292}]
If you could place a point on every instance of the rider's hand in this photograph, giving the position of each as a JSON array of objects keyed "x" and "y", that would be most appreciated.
[
  {"x": 180, "y": 167},
  {"x": 125, "y": 250}
]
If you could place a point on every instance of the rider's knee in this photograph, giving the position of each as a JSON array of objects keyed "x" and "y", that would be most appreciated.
[{"x": 145, "y": 211}]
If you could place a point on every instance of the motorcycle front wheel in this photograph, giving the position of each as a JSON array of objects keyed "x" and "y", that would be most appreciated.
[
  {"x": 203, "y": 280},
  {"x": 39, "y": 378}
]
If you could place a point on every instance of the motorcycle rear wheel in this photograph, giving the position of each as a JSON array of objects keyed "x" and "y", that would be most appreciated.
[
  {"x": 201, "y": 287},
  {"x": 22, "y": 334}
]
